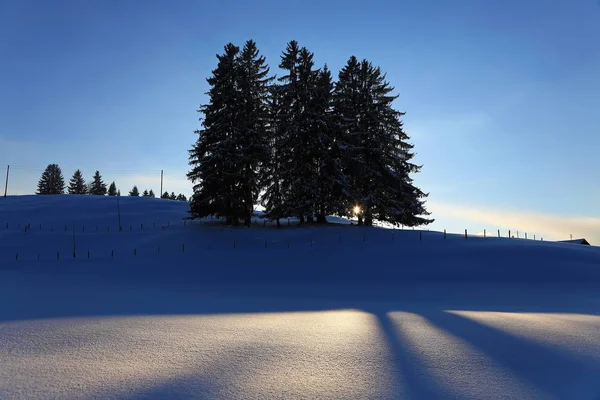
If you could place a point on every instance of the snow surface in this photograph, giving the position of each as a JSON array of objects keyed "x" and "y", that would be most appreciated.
[{"x": 202, "y": 311}]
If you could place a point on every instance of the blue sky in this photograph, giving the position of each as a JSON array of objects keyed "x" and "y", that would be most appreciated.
[{"x": 502, "y": 97}]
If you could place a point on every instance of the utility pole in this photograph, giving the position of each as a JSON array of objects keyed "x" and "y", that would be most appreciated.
[
  {"x": 6, "y": 184},
  {"x": 161, "y": 183}
]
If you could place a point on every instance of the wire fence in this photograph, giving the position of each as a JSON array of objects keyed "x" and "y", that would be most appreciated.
[{"x": 32, "y": 241}]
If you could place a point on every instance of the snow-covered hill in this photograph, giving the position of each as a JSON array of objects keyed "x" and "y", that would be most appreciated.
[
  {"x": 172, "y": 309},
  {"x": 36, "y": 232}
]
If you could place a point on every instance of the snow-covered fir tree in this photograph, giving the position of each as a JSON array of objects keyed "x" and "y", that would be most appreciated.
[
  {"x": 250, "y": 139},
  {"x": 331, "y": 183},
  {"x": 270, "y": 173},
  {"x": 377, "y": 163},
  {"x": 51, "y": 181},
  {"x": 214, "y": 171},
  {"x": 112, "y": 189},
  {"x": 232, "y": 142},
  {"x": 77, "y": 184},
  {"x": 299, "y": 141},
  {"x": 97, "y": 186}
]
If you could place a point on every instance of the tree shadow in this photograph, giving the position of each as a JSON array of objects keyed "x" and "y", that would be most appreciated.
[
  {"x": 542, "y": 366},
  {"x": 415, "y": 378}
]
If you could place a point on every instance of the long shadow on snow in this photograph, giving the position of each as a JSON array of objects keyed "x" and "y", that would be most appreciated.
[
  {"x": 85, "y": 297},
  {"x": 526, "y": 358}
]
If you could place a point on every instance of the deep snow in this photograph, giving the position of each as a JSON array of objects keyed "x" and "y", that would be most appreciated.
[{"x": 344, "y": 312}]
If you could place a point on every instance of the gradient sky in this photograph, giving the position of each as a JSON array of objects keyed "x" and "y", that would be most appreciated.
[{"x": 502, "y": 97}]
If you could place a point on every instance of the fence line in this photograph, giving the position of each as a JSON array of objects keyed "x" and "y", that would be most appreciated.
[
  {"x": 111, "y": 251},
  {"x": 145, "y": 226}
]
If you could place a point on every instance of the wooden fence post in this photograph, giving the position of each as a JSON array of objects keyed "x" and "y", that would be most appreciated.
[
  {"x": 444, "y": 234},
  {"x": 465, "y": 233}
]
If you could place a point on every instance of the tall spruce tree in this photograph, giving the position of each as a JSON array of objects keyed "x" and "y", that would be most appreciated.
[
  {"x": 134, "y": 192},
  {"x": 77, "y": 184},
  {"x": 181, "y": 197},
  {"x": 112, "y": 189},
  {"x": 300, "y": 143},
  {"x": 214, "y": 170},
  {"x": 51, "y": 181},
  {"x": 232, "y": 147},
  {"x": 270, "y": 174},
  {"x": 151, "y": 193},
  {"x": 97, "y": 186},
  {"x": 251, "y": 139},
  {"x": 331, "y": 182},
  {"x": 165, "y": 195},
  {"x": 377, "y": 163},
  {"x": 145, "y": 193},
  {"x": 173, "y": 196}
]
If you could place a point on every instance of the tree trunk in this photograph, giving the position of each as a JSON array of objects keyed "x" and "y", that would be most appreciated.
[
  {"x": 278, "y": 223},
  {"x": 368, "y": 219}
]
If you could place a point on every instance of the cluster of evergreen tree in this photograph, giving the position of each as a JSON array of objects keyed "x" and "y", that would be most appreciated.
[
  {"x": 52, "y": 182},
  {"x": 303, "y": 145},
  {"x": 136, "y": 193},
  {"x": 173, "y": 196}
]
